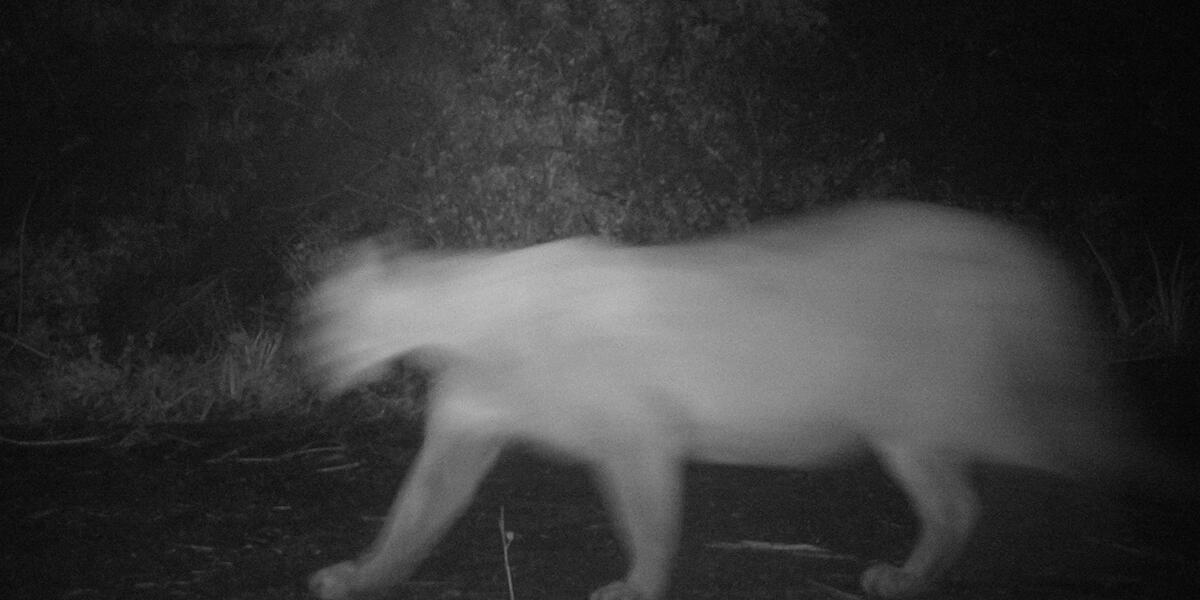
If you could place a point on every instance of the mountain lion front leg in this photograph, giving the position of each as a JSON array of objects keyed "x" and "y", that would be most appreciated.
[
  {"x": 642, "y": 482},
  {"x": 939, "y": 491},
  {"x": 449, "y": 468}
]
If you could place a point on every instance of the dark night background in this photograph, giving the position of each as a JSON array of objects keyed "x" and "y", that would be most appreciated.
[{"x": 174, "y": 174}]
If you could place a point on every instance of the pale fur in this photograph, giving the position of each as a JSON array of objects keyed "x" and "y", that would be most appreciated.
[{"x": 932, "y": 337}]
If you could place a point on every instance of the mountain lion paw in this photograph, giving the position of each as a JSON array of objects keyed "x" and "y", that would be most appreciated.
[
  {"x": 333, "y": 582},
  {"x": 617, "y": 590},
  {"x": 891, "y": 582}
]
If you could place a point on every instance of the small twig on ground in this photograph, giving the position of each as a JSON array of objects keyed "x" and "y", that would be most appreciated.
[
  {"x": 340, "y": 448},
  {"x": 833, "y": 592},
  {"x": 226, "y": 456},
  {"x": 51, "y": 443},
  {"x": 806, "y": 550},
  {"x": 345, "y": 467},
  {"x": 257, "y": 459},
  {"x": 17, "y": 342},
  {"x": 506, "y": 538}
]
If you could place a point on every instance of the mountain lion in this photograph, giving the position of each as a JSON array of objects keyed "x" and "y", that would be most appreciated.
[{"x": 929, "y": 336}]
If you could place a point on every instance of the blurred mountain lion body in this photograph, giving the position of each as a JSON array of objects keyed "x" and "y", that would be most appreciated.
[{"x": 929, "y": 336}]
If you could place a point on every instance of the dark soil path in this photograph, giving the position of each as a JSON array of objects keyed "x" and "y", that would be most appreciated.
[{"x": 249, "y": 511}]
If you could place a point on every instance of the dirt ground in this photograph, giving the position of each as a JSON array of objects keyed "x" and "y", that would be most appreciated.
[{"x": 250, "y": 510}]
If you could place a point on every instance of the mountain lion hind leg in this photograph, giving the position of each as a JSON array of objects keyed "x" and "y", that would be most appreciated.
[{"x": 947, "y": 508}]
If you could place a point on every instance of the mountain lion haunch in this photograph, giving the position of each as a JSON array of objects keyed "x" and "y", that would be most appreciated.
[{"x": 929, "y": 336}]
